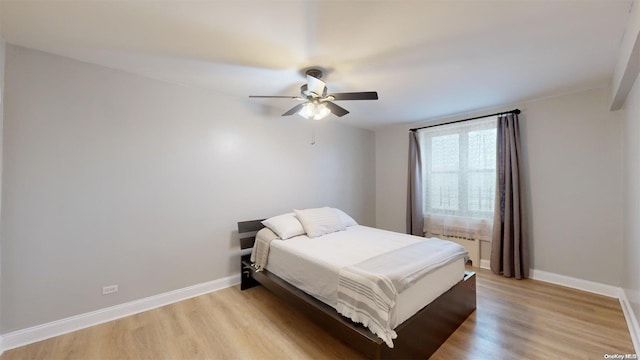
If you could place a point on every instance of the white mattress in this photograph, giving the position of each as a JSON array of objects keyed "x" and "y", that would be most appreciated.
[{"x": 313, "y": 265}]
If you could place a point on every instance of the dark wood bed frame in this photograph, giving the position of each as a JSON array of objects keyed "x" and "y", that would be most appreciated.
[{"x": 418, "y": 337}]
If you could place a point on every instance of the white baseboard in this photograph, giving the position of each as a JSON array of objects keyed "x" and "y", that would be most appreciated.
[
  {"x": 632, "y": 321},
  {"x": 568, "y": 281},
  {"x": 485, "y": 264},
  {"x": 575, "y": 283},
  {"x": 63, "y": 326}
]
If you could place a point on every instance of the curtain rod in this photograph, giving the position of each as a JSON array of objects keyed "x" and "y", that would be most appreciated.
[{"x": 514, "y": 111}]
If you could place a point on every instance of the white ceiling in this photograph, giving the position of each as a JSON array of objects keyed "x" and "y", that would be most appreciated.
[{"x": 426, "y": 59}]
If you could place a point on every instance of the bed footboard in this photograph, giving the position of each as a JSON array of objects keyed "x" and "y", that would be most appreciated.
[
  {"x": 421, "y": 335},
  {"x": 418, "y": 337}
]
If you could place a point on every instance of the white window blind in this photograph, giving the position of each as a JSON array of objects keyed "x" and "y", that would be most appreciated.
[{"x": 459, "y": 174}]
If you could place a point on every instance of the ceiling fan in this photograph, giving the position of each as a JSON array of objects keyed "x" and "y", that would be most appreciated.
[{"x": 318, "y": 103}]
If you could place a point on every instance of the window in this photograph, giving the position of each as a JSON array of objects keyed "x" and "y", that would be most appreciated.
[{"x": 459, "y": 169}]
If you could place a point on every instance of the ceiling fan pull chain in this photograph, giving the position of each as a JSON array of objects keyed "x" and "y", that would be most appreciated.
[{"x": 313, "y": 134}]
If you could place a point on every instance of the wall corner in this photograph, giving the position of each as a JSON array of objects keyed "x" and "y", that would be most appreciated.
[{"x": 628, "y": 64}]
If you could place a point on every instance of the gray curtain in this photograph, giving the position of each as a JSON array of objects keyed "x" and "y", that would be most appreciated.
[
  {"x": 509, "y": 247},
  {"x": 415, "y": 217}
]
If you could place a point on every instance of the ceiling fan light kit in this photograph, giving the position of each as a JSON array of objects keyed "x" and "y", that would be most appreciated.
[
  {"x": 315, "y": 111},
  {"x": 319, "y": 104}
]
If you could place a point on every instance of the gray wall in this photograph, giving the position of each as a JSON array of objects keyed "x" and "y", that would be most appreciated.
[
  {"x": 112, "y": 178},
  {"x": 573, "y": 165},
  {"x": 2, "y": 56},
  {"x": 625, "y": 76},
  {"x": 631, "y": 263}
]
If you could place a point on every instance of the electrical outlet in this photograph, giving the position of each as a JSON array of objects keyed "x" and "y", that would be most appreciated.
[{"x": 110, "y": 289}]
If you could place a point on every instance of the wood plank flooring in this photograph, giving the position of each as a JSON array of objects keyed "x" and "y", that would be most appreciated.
[{"x": 514, "y": 319}]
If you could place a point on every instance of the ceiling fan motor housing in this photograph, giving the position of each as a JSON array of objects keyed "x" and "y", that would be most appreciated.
[
  {"x": 304, "y": 88},
  {"x": 316, "y": 73}
]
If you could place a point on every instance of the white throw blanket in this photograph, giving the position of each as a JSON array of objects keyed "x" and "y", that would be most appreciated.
[
  {"x": 367, "y": 291},
  {"x": 260, "y": 253}
]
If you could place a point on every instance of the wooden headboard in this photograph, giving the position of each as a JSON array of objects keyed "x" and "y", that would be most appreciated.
[{"x": 247, "y": 232}]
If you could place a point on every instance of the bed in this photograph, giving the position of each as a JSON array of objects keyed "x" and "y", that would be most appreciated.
[{"x": 446, "y": 296}]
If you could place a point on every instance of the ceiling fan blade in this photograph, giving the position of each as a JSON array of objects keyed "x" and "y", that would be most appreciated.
[
  {"x": 315, "y": 86},
  {"x": 335, "y": 109},
  {"x": 277, "y": 97},
  {"x": 294, "y": 109},
  {"x": 365, "y": 95}
]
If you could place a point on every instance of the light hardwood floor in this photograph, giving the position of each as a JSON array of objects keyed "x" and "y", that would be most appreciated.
[{"x": 514, "y": 319}]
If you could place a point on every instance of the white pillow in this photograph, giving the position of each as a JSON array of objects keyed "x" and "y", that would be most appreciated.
[
  {"x": 320, "y": 221},
  {"x": 346, "y": 219},
  {"x": 285, "y": 226}
]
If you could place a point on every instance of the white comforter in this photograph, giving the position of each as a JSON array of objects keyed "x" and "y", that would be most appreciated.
[{"x": 298, "y": 258}]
